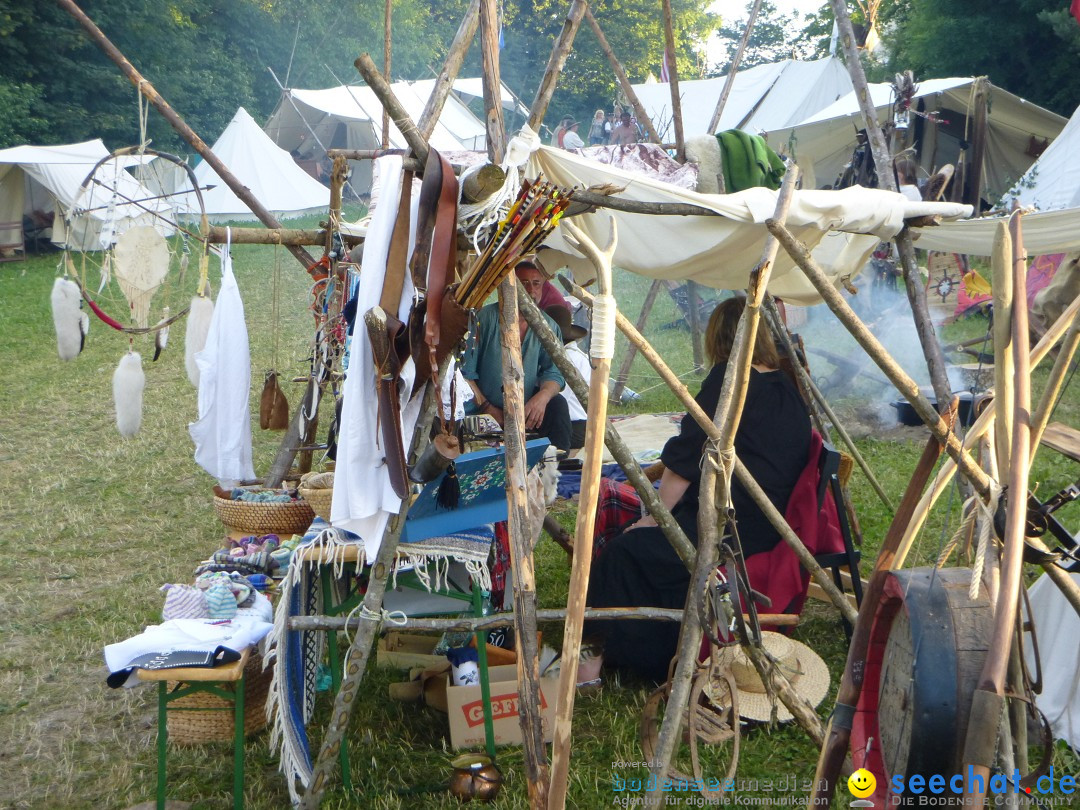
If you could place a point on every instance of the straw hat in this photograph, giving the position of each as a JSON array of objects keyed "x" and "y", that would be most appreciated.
[{"x": 808, "y": 673}]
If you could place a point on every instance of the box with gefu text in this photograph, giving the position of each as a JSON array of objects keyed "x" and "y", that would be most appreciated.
[{"x": 465, "y": 707}]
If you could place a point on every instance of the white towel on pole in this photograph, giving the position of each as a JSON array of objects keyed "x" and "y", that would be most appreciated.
[
  {"x": 364, "y": 499},
  {"x": 222, "y": 435}
]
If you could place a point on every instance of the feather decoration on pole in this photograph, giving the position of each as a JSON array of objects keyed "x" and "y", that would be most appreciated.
[
  {"x": 161, "y": 336},
  {"x": 128, "y": 384},
  {"x": 70, "y": 321}
]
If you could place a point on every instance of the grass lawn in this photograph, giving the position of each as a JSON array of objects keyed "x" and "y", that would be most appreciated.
[{"x": 96, "y": 524}]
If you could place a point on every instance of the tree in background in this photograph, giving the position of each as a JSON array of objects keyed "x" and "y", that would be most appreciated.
[{"x": 775, "y": 36}]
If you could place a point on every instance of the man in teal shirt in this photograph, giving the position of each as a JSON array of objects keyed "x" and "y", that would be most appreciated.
[{"x": 546, "y": 412}]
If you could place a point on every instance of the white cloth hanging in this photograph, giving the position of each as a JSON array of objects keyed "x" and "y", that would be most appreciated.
[
  {"x": 1057, "y": 626},
  {"x": 364, "y": 499},
  {"x": 222, "y": 435}
]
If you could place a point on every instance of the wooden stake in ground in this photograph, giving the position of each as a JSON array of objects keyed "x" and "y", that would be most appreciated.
[
  {"x": 559, "y": 53},
  {"x": 673, "y": 82},
  {"x": 624, "y": 82},
  {"x": 988, "y": 702},
  {"x": 718, "y": 461},
  {"x": 522, "y": 572},
  {"x": 601, "y": 349}
]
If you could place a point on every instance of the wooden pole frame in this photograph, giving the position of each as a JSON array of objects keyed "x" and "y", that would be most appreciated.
[
  {"x": 560, "y": 51},
  {"x": 444, "y": 82},
  {"x": 673, "y": 81},
  {"x": 493, "y": 111},
  {"x": 729, "y": 81}
]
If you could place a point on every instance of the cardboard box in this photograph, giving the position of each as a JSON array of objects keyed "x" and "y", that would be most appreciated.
[
  {"x": 406, "y": 650},
  {"x": 466, "y": 711}
]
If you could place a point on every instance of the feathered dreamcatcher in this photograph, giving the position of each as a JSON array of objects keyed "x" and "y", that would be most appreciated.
[{"x": 126, "y": 259}]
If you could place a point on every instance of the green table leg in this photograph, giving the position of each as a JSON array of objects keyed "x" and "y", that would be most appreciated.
[
  {"x": 485, "y": 681},
  {"x": 238, "y": 746},
  {"x": 162, "y": 739},
  {"x": 335, "y": 668}
]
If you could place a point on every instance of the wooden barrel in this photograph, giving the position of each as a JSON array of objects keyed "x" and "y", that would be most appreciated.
[{"x": 928, "y": 643}]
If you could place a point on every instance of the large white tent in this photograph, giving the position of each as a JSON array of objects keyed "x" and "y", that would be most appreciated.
[
  {"x": 823, "y": 143},
  {"x": 1053, "y": 182},
  {"x": 765, "y": 97},
  {"x": 39, "y": 182},
  {"x": 350, "y": 117},
  {"x": 269, "y": 171}
]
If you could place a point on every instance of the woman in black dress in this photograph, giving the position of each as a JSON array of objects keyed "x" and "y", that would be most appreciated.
[{"x": 639, "y": 567}]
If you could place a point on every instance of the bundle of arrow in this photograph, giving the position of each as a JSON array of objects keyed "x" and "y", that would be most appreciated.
[{"x": 534, "y": 214}]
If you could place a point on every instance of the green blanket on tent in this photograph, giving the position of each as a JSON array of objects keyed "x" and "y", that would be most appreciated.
[{"x": 748, "y": 161}]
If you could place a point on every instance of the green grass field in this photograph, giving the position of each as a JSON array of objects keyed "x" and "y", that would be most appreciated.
[{"x": 95, "y": 524}]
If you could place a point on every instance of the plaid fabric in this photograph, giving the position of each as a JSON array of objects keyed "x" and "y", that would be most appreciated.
[{"x": 617, "y": 506}]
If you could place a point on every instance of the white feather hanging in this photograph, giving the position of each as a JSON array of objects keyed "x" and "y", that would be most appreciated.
[
  {"x": 128, "y": 383},
  {"x": 198, "y": 325},
  {"x": 68, "y": 318}
]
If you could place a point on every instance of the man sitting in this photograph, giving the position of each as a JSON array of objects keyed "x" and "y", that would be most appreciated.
[{"x": 546, "y": 412}]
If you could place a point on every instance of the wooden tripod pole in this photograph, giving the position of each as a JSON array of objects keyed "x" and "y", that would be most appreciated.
[
  {"x": 398, "y": 114},
  {"x": 624, "y": 81},
  {"x": 178, "y": 123},
  {"x": 935, "y": 359},
  {"x": 444, "y": 83},
  {"x": 988, "y": 701},
  {"x": 729, "y": 82},
  {"x": 560, "y": 51},
  {"x": 673, "y": 81},
  {"x": 601, "y": 349},
  {"x": 493, "y": 111},
  {"x": 388, "y": 15},
  {"x": 522, "y": 572}
]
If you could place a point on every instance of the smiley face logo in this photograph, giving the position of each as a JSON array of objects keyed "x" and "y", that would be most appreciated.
[{"x": 861, "y": 783}]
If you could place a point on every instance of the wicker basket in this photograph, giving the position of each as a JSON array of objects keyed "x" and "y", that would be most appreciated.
[
  {"x": 195, "y": 727},
  {"x": 320, "y": 497},
  {"x": 260, "y": 517}
]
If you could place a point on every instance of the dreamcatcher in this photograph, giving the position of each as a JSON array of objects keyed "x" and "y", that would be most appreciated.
[{"x": 126, "y": 256}]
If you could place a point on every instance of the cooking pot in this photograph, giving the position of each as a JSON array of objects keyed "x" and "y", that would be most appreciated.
[{"x": 905, "y": 413}]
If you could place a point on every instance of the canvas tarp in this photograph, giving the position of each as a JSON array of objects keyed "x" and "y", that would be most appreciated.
[
  {"x": 822, "y": 144},
  {"x": 842, "y": 227},
  {"x": 268, "y": 171},
  {"x": 765, "y": 97},
  {"x": 47, "y": 180},
  {"x": 1044, "y": 232},
  {"x": 1053, "y": 182}
]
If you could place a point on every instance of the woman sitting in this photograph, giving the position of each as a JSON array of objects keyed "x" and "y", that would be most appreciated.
[{"x": 638, "y": 567}]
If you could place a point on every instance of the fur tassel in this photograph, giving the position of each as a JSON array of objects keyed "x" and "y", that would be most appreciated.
[
  {"x": 161, "y": 336},
  {"x": 198, "y": 326},
  {"x": 70, "y": 321},
  {"x": 449, "y": 489},
  {"x": 128, "y": 384},
  {"x": 704, "y": 150}
]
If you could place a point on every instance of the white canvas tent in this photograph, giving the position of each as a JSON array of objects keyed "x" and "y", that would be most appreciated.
[
  {"x": 762, "y": 98},
  {"x": 350, "y": 117},
  {"x": 272, "y": 175},
  {"x": 1053, "y": 182},
  {"x": 38, "y": 181},
  {"x": 823, "y": 143}
]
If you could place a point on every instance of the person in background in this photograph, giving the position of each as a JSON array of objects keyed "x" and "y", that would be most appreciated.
[
  {"x": 907, "y": 179},
  {"x": 546, "y": 412},
  {"x": 570, "y": 138},
  {"x": 571, "y": 333},
  {"x": 599, "y": 129},
  {"x": 625, "y": 133},
  {"x": 638, "y": 566}
]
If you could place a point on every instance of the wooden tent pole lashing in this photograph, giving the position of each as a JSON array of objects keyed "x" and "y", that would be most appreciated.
[
  {"x": 988, "y": 701},
  {"x": 624, "y": 81},
  {"x": 559, "y": 53},
  {"x": 601, "y": 350},
  {"x": 522, "y": 571},
  {"x": 444, "y": 82},
  {"x": 619, "y": 451},
  {"x": 178, "y": 123},
  {"x": 402, "y": 120},
  {"x": 757, "y": 494},
  {"x": 729, "y": 82},
  {"x": 673, "y": 81},
  {"x": 631, "y": 349},
  {"x": 493, "y": 111},
  {"x": 935, "y": 358}
]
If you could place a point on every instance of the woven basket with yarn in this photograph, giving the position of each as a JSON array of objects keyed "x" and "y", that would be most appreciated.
[
  {"x": 195, "y": 727},
  {"x": 261, "y": 517},
  {"x": 317, "y": 488}
]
